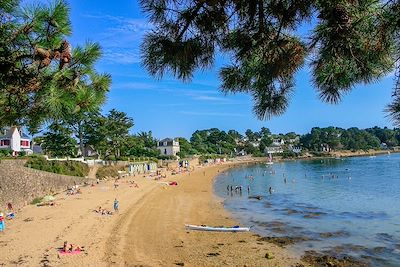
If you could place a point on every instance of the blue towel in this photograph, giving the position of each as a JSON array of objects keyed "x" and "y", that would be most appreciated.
[{"x": 2, "y": 226}]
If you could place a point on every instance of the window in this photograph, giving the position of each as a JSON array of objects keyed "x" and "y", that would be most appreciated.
[
  {"x": 5, "y": 142},
  {"x": 24, "y": 143}
]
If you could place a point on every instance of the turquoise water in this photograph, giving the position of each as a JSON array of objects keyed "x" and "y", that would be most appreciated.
[{"x": 344, "y": 206}]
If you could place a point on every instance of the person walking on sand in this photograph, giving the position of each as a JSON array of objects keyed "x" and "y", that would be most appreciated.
[{"x": 116, "y": 205}]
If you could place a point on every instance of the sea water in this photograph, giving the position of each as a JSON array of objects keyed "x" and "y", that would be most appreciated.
[{"x": 347, "y": 206}]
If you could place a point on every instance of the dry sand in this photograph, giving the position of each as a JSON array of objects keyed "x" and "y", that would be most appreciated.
[{"x": 148, "y": 230}]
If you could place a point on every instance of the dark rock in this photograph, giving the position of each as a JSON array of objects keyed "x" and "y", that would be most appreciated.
[{"x": 322, "y": 260}]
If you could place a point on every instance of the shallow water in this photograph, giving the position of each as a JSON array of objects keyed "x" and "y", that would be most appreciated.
[{"x": 344, "y": 206}]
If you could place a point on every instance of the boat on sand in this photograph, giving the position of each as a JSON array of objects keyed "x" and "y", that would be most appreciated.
[{"x": 216, "y": 229}]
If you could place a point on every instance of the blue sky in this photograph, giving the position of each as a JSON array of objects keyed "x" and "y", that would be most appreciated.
[{"x": 172, "y": 108}]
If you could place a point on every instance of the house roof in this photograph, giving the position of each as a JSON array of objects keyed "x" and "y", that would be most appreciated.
[
  {"x": 8, "y": 134},
  {"x": 167, "y": 140}
]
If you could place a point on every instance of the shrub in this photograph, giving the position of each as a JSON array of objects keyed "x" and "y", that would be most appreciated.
[
  {"x": 36, "y": 200},
  {"x": 72, "y": 168},
  {"x": 258, "y": 153},
  {"x": 288, "y": 154},
  {"x": 5, "y": 153}
]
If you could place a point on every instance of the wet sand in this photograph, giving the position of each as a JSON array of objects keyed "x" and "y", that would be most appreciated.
[{"x": 148, "y": 230}]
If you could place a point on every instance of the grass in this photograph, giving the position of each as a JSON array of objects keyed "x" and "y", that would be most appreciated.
[
  {"x": 36, "y": 200},
  {"x": 71, "y": 168}
]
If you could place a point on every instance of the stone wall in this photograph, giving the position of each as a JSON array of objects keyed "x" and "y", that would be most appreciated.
[{"x": 19, "y": 185}]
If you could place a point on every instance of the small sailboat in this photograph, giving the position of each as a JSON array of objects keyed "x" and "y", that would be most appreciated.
[
  {"x": 216, "y": 229},
  {"x": 269, "y": 162}
]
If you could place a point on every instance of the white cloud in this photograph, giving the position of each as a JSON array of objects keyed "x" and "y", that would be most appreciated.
[
  {"x": 121, "y": 37},
  {"x": 121, "y": 56}
]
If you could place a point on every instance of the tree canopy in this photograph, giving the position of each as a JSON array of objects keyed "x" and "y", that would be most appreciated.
[
  {"x": 352, "y": 42},
  {"x": 42, "y": 77}
]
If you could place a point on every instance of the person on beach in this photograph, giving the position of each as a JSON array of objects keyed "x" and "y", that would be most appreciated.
[
  {"x": 116, "y": 184},
  {"x": 2, "y": 222},
  {"x": 116, "y": 205},
  {"x": 10, "y": 207}
]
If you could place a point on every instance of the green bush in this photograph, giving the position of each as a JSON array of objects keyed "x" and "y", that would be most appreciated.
[
  {"x": 5, "y": 153},
  {"x": 288, "y": 155},
  {"x": 72, "y": 168},
  {"x": 36, "y": 200},
  {"x": 258, "y": 153}
]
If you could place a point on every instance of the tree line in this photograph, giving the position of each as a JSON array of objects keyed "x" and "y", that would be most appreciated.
[{"x": 109, "y": 136}]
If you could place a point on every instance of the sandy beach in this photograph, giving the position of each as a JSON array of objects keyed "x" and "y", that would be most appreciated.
[{"x": 147, "y": 231}]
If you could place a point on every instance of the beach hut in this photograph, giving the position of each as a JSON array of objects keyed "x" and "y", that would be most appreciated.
[{"x": 142, "y": 167}]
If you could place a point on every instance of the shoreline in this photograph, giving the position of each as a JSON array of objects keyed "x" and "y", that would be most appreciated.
[
  {"x": 166, "y": 242},
  {"x": 148, "y": 230}
]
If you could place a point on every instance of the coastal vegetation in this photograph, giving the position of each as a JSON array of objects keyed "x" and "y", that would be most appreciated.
[{"x": 71, "y": 168}]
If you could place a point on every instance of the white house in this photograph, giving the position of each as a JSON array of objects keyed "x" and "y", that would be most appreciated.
[
  {"x": 295, "y": 149},
  {"x": 15, "y": 140},
  {"x": 278, "y": 142},
  {"x": 273, "y": 150},
  {"x": 168, "y": 146}
]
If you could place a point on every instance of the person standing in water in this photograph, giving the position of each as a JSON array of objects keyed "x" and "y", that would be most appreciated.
[{"x": 270, "y": 190}]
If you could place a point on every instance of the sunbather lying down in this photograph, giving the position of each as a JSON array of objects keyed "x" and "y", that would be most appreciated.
[
  {"x": 103, "y": 211},
  {"x": 71, "y": 248},
  {"x": 46, "y": 204}
]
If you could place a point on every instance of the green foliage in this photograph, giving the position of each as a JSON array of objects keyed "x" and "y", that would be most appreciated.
[
  {"x": 71, "y": 168},
  {"x": 108, "y": 133},
  {"x": 288, "y": 155},
  {"x": 5, "y": 153},
  {"x": 36, "y": 200},
  {"x": 352, "y": 42},
  {"x": 42, "y": 78},
  {"x": 336, "y": 138},
  {"x": 57, "y": 142},
  {"x": 213, "y": 141},
  {"x": 185, "y": 148},
  {"x": 258, "y": 153}
]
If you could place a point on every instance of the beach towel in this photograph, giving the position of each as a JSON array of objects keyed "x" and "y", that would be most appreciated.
[
  {"x": 2, "y": 225},
  {"x": 74, "y": 252}
]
